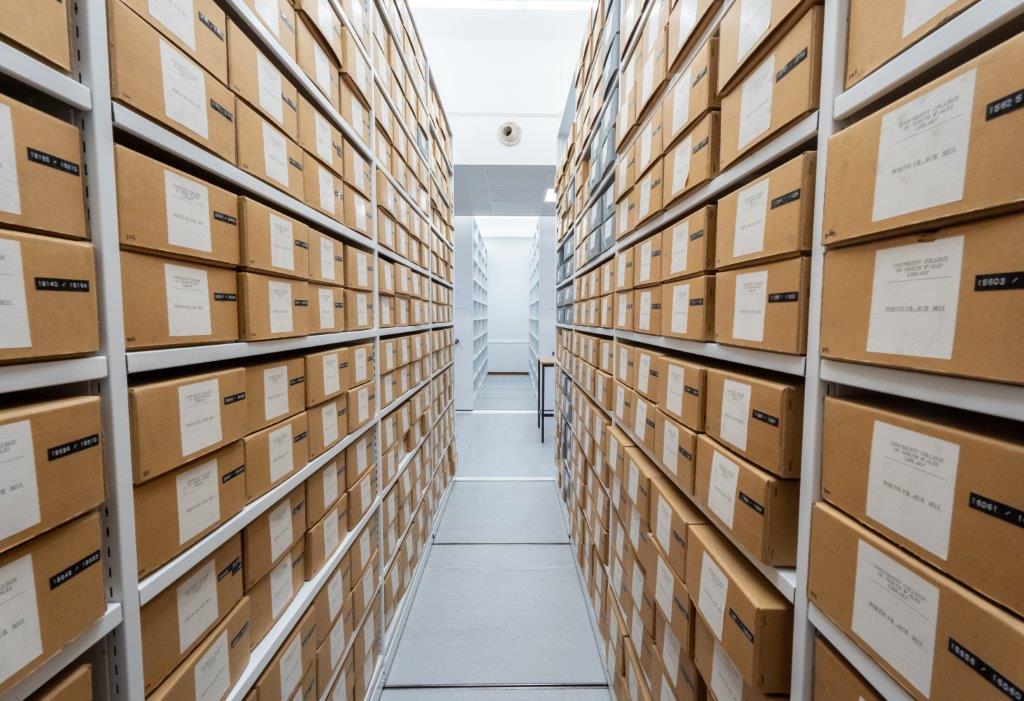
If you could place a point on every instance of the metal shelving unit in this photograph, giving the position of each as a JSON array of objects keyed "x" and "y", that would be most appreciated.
[
  {"x": 470, "y": 312},
  {"x": 113, "y": 643},
  {"x": 541, "y": 315}
]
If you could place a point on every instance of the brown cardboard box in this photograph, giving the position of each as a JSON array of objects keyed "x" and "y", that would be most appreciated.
[
  {"x": 881, "y": 29},
  {"x": 273, "y": 391},
  {"x": 358, "y": 310},
  {"x": 202, "y": 108},
  {"x": 721, "y": 675},
  {"x": 324, "y": 22},
  {"x": 199, "y": 35},
  {"x": 53, "y": 465},
  {"x": 834, "y": 678},
  {"x": 360, "y": 496},
  {"x": 328, "y": 605},
  {"x": 625, "y": 364},
  {"x": 283, "y": 675},
  {"x": 765, "y": 523},
  {"x": 359, "y": 457},
  {"x": 361, "y": 365},
  {"x": 45, "y": 191},
  {"x": 316, "y": 60},
  {"x": 73, "y": 685},
  {"x": 624, "y": 310},
  {"x": 624, "y": 270},
  {"x": 254, "y": 78},
  {"x": 648, "y": 373},
  {"x": 173, "y": 303},
  {"x": 693, "y": 160},
  {"x": 324, "y": 536},
  {"x": 164, "y": 210},
  {"x": 326, "y": 259},
  {"x": 274, "y": 454},
  {"x": 764, "y": 306},
  {"x": 362, "y": 404},
  {"x": 928, "y": 631},
  {"x": 325, "y": 190},
  {"x": 770, "y": 218},
  {"x": 745, "y": 36},
  {"x": 685, "y": 25},
  {"x": 648, "y": 143},
  {"x": 194, "y": 499},
  {"x": 265, "y": 152},
  {"x": 670, "y": 518},
  {"x": 328, "y": 424},
  {"x": 357, "y": 212},
  {"x": 648, "y": 313},
  {"x": 325, "y": 372},
  {"x": 688, "y": 246},
  {"x": 647, "y": 258},
  {"x": 723, "y": 580},
  {"x": 357, "y": 169},
  {"x": 677, "y": 449},
  {"x": 959, "y": 515},
  {"x": 218, "y": 661},
  {"x": 961, "y": 173},
  {"x": 358, "y": 268},
  {"x": 56, "y": 582},
  {"x": 329, "y": 309},
  {"x": 272, "y": 534},
  {"x": 760, "y": 417},
  {"x": 318, "y": 136},
  {"x": 272, "y": 307},
  {"x": 51, "y": 311},
  {"x": 649, "y": 193},
  {"x": 689, "y": 308},
  {"x": 687, "y": 684},
  {"x": 683, "y": 394},
  {"x": 673, "y": 617},
  {"x": 42, "y": 29},
  {"x": 178, "y": 618},
  {"x": 779, "y": 90},
  {"x": 273, "y": 242},
  {"x": 691, "y": 94},
  {"x": 323, "y": 488},
  {"x": 962, "y": 293},
  {"x": 354, "y": 68},
  {"x": 354, "y": 111},
  {"x": 279, "y": 17},
  {"x": 210, "y": 414}
]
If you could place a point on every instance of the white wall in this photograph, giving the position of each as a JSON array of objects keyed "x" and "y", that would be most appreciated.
[{"x": 508, "y": 291}]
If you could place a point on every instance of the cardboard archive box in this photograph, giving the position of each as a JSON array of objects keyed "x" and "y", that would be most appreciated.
[
  {"x": 268, "y": 154},
  {"x": 255, "y": 79},
  {"x": 275, "y": 453},
  {"x": 689, "y": 308},
  {"x": 834, "y": 678},
  {"x": 273, "y": 242},
  {"x": 274, "y": 390},
  {"x": 688, "y": 246},
  {"x": 764, "y": 306},
  {"x": 272, "y": 307},
  {"x": 270, "y": 596},
  {"x": 42, "y": 29},
  {"x": 200, "y": 33},
  {"x": 273, "y": 534}
]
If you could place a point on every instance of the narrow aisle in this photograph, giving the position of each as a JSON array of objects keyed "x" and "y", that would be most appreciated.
[
  {"x": 499, "y": 613},
  {"x": 512, "y": 392}
]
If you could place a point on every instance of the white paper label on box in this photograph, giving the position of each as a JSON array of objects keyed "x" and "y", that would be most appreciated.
[
  {"x": 645, "y": 146},
  {"x": 282, "y": 243},
  {"x": 271, "y": 96},
  {"x": 620, "y": 271},
  {"x": 361, "y": 313},
  {"x": 681, "y": 168},
  {"x": 188, "y": 212},
  {"x": 329, "y": 420},
  {"x": 914, "y": 298},
  {"x": 680, "y": 247},
  {"x": 212, "y": 675},
  {"x": 911, "y": 484},
  {"x": 330, "y": 532},
  {"x": 735, "y": 415},
  {"x": 751, "y": 213},
  {"x": 199, "y": 415},
  {"x": 198, "y": 500},
  {"x": 176, "y": 16},
  {"x": 726, "y": 680},
  {"x": 670, "y": 651},
  {"x": 267, "y": 11},
  {"x": 647, "y": 78},
  {"x": 338, "y": 642},
  {"x": 922, "y": 150},
  {"x": 322, "y": 69},
  {"x": 325, "y": 19},
  {"x": 330, "y": 484},
  {"x": 917, "y": 12},
  {"x": 188, "y": 301},
  {"x": 363, "y": 401},
  {"x": 326, "y": 182},
  {"x": 645, "y": 310},
  {"x": 281, "y": 585},
  {"x": 326, "y": 259},
  {"x": 756, "y": 102},
  {"x": 755, "y": 17},
  {"x": 362, "y": 269},
  {"x": 674, "y": 390},
  {"x": 332, "y": 381},
  {"x": 640, "y": 429},
  {"x": 197, "y": 605},
  {"x": 365, "y": 490},
  {"x": 722, "y": 488},
  {"x": 325, "y": 298},
  {"x": 279, "y": 299},
  {"x": 749, "y": 306},
  {"x": 280, "y": 529},
  {"x": 623, "y": 364},
  {"x": 714, "y": 588},
  {"x": 680, "y": 308},
  {"x": 681, "y": 101},
  {"x": 335, "y": 594},
  {"x": 275, "y": 154},
  {"x": 687, "y": 19},
  {"x": 895, "y": 611},
  {"x": 363, "y": 456},
  {"x": 664, "y": 585},
  {"x": 291, "y": 667},
  {"x": 663, "y": 524},
  {"x": 643, "y": 374},
  {"x": 10, "y": 192},
  {"x": 281, "y": 462},
  {"x": 670, "y": 448},
  {"x": 275, "y": 392},
  {"x": 184, "y": 87},
  {"x": 19, "y": 488},
  {"x": 645, "y": 260},
  {"x": 324, "y": 147},
  {"x": 19, "y": 617}
]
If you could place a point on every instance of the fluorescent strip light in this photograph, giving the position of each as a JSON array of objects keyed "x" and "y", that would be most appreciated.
[{"x": 549, "y": 196}]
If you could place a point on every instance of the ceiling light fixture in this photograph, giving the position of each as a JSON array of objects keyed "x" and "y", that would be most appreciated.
[{"x": 549, "y": 196}]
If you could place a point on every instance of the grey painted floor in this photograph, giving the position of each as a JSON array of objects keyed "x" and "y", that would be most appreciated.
[
  {"x": 507, "y": 392},
  {"x": 499, "y": 614}
]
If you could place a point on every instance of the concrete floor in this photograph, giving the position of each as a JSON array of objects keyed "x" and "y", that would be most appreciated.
[
  {"x": 507, "y": 392},
  {"x": 499, "y": 614}
]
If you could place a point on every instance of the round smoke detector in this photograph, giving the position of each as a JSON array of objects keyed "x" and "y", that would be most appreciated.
[{"x": 509, "y": 133}]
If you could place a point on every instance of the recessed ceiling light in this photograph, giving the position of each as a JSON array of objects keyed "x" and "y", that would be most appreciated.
[{"x": 549, "y": 196}]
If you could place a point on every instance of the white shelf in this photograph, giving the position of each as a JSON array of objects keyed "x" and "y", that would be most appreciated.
[
  {"x": 66, "y": 655},
  {"x": 991, "y": 398},
  {"x": 131, "y": 122},
  {"x": 31, "y": 71},
  {"x": 963, "y": 30},
  {"x": 15, "y": 378},
  {"x": 779, "y": 362}
]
